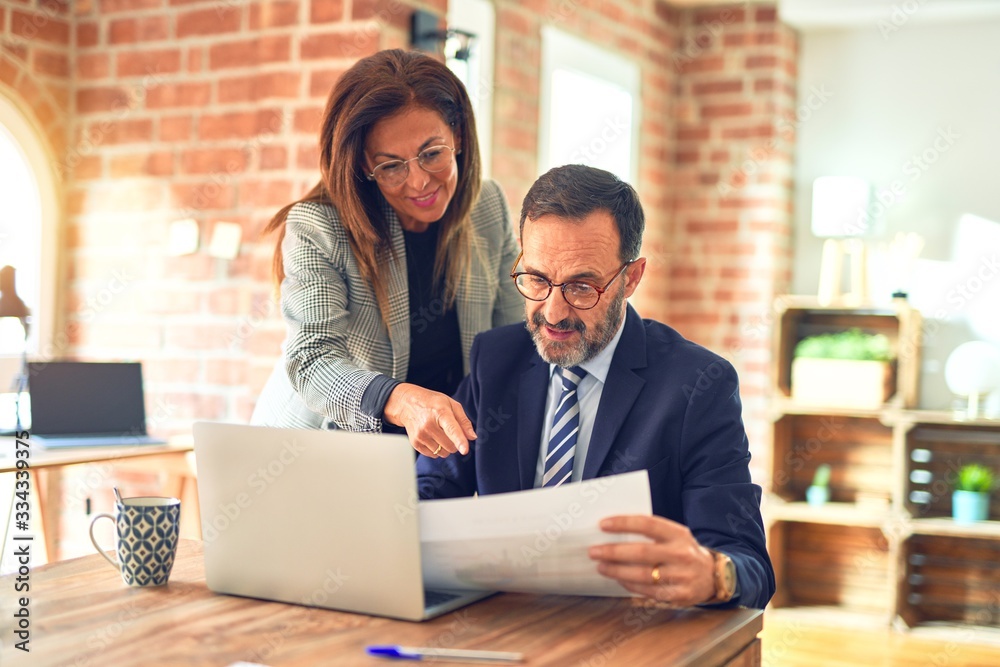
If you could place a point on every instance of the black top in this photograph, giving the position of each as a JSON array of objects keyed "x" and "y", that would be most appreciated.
[{"x": 435, "y": 343}]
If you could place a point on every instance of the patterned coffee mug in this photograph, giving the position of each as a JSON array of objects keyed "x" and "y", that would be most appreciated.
[{"x": 147, "y": 530}]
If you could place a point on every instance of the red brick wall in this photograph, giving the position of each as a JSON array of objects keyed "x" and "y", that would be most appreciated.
[
  {"x": 166, "y": 109},
  {"x": 208, "y": 109},
  {"x": 643, "y": 32},
  {"x": 35, "y": 64},
  {"x": 734, "y": 111},
  {"x": 202, "y": 109},
  {"x": 715, "y": 164}
]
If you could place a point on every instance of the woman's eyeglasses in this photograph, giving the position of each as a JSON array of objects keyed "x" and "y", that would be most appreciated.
[
  {"x": 582, "y": 296},
  {"x": 395, "y": 172}
]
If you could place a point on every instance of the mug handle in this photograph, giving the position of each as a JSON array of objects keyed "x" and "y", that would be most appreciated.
[{"x": 97, "y": 546}]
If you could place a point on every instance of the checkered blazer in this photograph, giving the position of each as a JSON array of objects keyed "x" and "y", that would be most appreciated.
[{"x": 337, "y": 341}]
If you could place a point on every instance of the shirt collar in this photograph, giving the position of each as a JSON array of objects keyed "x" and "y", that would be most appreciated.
[{"x": 601, "y": 364}]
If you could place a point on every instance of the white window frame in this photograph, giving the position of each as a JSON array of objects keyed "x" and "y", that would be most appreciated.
[
  {"x": 479, "y": 18},
  {"x": 38, "y": 155},
  {"x": 561, "y": 50}
]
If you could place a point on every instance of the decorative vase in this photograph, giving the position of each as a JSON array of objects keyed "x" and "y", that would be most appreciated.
[
  {"x": 970, "y": 506},
  {"x": 817, "y": 495}
]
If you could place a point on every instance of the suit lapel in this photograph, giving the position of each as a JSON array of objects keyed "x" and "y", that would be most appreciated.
[
  {"x": 398, "y": 293},
  {"x": 531, "y": 412},
  {"x": 621, "y": 389},
  {"x": 470, "y": 299}
]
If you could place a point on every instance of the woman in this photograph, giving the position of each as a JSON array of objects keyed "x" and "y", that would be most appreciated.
[{"x": 392, "y": 263}]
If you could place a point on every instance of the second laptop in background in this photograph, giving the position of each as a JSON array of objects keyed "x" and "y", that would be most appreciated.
[{"x": 82, "y": 403}]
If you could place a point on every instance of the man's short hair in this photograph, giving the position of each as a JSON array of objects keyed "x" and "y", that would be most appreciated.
[{"x": 574, "y": 191}]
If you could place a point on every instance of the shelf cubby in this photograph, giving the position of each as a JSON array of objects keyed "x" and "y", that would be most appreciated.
[
  {"x": 955, "y": 580},
  {"x": 934, "y": 454},
  {"x": 857, "y": 449},
  {"x": 848, "y": 567},
  {"x": 799, "y": 317}
]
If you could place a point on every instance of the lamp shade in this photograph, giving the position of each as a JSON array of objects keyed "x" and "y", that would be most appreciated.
[
  {"x": 11, "y": 304},
  {"x": 841, "y": 207},
  {"x": 973, "y": 368}
]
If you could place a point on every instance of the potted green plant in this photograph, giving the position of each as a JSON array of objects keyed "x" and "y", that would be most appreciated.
[
  {"x": 849, "y": 368},
  {"x": 970, "y": 500},
  {"x": 818, "y": 492}
]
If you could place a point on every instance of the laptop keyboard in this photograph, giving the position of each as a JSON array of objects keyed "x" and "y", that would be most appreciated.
[
  {"x": 96, "y": 440},
  {"x": 435, "y": 598}
]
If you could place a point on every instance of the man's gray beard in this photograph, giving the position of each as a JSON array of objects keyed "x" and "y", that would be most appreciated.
[{"x": 589, "y": 346}]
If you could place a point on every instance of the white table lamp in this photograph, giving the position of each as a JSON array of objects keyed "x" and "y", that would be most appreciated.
[
  {"x": 973, "y": 370},
  {"x": 841, "y": 214},
  {"x": 11, "y": 305}
]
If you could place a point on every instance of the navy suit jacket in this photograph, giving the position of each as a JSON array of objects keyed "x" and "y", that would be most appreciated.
[{"x": 669, "y": 406}]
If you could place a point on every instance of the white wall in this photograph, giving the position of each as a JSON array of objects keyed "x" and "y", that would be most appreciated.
[{"x": 914, "y": 107}]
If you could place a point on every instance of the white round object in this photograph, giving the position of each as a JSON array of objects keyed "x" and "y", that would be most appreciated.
[{"x": 973, "y": 368}]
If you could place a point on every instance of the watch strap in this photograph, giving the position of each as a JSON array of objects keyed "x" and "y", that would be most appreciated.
[{"x": 724, "y": 576}]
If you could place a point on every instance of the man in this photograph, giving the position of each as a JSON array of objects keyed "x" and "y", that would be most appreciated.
[{"x": 634, "y": 395}]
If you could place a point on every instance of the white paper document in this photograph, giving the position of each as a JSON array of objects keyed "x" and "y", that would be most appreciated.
[{"x": 531, "y": 541}]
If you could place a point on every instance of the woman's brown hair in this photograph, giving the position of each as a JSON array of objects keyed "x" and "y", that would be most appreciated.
[{"x": 373, "y": 89}]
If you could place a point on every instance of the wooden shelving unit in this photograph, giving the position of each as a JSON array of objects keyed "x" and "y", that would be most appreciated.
[{"x": 885, "y": 549}]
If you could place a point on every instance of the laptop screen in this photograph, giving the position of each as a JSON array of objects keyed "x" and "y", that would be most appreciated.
[{"x": 86, "y": 398}]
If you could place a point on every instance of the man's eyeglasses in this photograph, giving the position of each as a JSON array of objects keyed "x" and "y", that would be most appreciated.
[
  {"x": 394, "y": 172},
  {"x": 582, "y": 296}
]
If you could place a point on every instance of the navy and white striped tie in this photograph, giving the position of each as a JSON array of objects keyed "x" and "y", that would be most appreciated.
[{"x": 565, "y": 427}]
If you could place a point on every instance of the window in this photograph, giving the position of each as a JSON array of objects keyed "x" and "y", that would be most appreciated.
[
  {"x": 28, "y": 235},
  {"x": 589, "y": 106},
  {"x": 476, "y": 72}
]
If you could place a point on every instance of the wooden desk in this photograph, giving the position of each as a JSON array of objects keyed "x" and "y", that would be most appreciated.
[
  {"x": 174, "y": 459},
  {"x": 82, "y": 614}
]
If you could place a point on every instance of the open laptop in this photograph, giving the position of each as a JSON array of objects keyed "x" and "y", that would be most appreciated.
[
  {"x": 80, "y": 403},
  {"x": 315, "y": 517}
]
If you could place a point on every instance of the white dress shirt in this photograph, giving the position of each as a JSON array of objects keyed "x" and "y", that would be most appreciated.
[{"x": 588, "y": 395}]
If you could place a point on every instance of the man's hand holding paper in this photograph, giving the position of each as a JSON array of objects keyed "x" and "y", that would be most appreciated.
[{"x": 532, "y": 541}]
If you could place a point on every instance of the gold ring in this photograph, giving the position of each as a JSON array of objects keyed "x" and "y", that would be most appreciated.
[
  {"x": 655, "y": 574},
  {"x": 437, "y": 450}
]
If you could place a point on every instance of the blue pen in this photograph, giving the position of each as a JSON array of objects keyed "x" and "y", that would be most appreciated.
[{"x": 447, "y": 654}]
